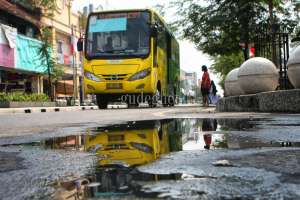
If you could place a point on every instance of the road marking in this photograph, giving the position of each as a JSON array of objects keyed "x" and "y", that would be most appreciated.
[{"x": 160, "y": 114}]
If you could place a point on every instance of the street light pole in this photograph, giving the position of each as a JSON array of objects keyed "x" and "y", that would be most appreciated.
[
  {"x": 74, "y": 68},
  {"x": 82, "y": 72}
]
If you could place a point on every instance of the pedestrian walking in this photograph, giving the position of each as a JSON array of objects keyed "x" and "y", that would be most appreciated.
[
  {"x": 205, "y": 86},
  {"x": 208, "y": 125},
  {"x": 213, "y": 98}
]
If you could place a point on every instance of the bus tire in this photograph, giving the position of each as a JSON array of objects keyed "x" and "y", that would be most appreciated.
[
  {"x": 102, "y": 102},
  {"x": 136, "y": 105},
  {"x": 152, "y": 100},
  {"x": 172, "y": 101},
  {"x": 132, "y": 102},
  {"x": 152, "y": 104},
  {"x": 165, "y": 102}
]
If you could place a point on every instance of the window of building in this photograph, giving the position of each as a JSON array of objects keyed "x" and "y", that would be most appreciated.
[{"x": 59, "y": 47}]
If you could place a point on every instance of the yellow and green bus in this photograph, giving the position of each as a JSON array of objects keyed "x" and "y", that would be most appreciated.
[
  {"x": 130, "y": 55},
  {"x": 134, "y": 144}
]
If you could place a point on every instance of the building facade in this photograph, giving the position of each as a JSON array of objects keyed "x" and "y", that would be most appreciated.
[
  {"x": 21, "y": 68},
  {"x": 65, "y": 26},
  {"x": 188, "y": 87}
]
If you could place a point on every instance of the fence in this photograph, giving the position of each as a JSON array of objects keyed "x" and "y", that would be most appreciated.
[{"x": 274, "y": 45}]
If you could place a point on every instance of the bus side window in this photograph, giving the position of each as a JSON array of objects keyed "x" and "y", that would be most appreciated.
[
  {"x": 161, "y": 33},
  {"x": 162, "y": 40},
  {"x": 156, "y": 42}
]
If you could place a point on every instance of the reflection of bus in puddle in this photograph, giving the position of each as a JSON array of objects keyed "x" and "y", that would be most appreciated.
[
  {"x": 122, "y": 147},
  {"x": 132, "y": 144}
]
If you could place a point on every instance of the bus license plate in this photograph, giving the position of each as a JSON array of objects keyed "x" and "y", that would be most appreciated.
[
  {"x": 114, "y": 86},
  {"x": 113, "y": 138}
]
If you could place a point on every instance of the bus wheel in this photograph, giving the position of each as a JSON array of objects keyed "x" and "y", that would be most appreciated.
[
  {"x": 135, "y": 105},
  {"x": 132, "y": 102},
  {"x": 102, "y": 102},
  {"x": 152, "y": 103},
  {"x": 172, "y": 101},
  {"x": 165, "y": 102},
  {"x": 153, "y": 100}
]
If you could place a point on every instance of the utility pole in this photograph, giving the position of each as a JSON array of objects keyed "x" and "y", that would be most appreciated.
[
  {"x": 82, "y": 72},
  {"x": 74, "y": 67}
]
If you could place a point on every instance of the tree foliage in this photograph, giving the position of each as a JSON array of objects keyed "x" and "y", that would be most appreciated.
[
  {"x": 48, "y": 6},
  {"x": 296, "y": 11},
  {"x": 223, "y": 64},
  {"x": 161, "y": 9},
  {"x": 220, "y": 27},
  {"x": 82, "y": 21},
  {"x": 53, "y": 70}
]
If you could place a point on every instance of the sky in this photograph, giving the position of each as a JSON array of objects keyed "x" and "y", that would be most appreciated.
[{"x": 191, "y": 59}]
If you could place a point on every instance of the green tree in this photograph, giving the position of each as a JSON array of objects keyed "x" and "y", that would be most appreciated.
[
  {"x": 281, "y": 13},
  {"x": 46, "y": 57},
  {"x": 296, "y": 34},
  {"x": 163, "y": 10},
  {"x": 82, "y": 22},
  {"x": 54, "y": 71},
  {"x": 223, "y": 64},
  {"x": 220, "y": 27},
  {"x": 160, "y": 9},
  {"x": 48, "y": 6},
  {"x": 217, "y": 27}
]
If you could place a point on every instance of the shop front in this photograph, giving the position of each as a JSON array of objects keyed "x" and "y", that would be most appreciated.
[
  {"x": 14, "y": 81},
  {"x": 21, "y": 68}
]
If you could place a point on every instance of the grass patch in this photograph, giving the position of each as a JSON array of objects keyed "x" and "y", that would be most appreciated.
[{"x": 23, "y": 97}]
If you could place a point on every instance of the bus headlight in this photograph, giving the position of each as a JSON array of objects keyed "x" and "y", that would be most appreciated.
[
  {"x": 94, "y": 148},
  {"x": 142, "y": 147},
  {"x": 140, "y": 75},
  {"x": 91, "y": 76}
]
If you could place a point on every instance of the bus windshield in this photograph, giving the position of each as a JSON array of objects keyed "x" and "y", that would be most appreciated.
[{"x": 118, "y": 35}]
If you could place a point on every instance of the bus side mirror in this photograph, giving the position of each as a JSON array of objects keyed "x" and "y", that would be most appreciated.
[
  {"x": 80, "y": 45},
  {"x": 154, "y": 31}
]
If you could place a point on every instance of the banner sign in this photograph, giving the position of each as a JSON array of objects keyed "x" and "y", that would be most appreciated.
[
  {"x": 28, "y": 55},
  {"x": 7, "y": 46}
]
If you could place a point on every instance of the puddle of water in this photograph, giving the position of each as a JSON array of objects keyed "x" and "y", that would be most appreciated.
[
  {"x": 144, "y": 141},
  {"x": 117, "y": 181},
  {"x": 120, "y": 148}
]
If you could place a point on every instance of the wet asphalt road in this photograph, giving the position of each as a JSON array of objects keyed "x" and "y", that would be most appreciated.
[
  {"x": 39, "y": 123},
  {"x": 261, "y": 153}
]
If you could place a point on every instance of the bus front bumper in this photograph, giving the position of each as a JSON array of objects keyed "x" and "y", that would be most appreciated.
[{"x": 119, "y": 87}]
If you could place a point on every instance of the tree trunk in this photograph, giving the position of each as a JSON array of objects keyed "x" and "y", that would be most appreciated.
[
  {"x": 246, "y": 50},
  {"x": 271, "y": 12},
  {"x": 247, "y": 41}
]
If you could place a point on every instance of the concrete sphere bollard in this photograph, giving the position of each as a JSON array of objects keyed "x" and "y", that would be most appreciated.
[
  {"x": 294, "y": 68},
  {"x": 258, "y": 75},
  {"x": 232, "y": 87}
]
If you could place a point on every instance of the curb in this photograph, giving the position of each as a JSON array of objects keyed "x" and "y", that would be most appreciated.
[{"x": 45, "y": 109}]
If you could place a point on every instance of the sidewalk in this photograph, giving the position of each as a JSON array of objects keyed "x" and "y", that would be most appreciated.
[
  {"x": 189, "y": 105},
  {"x": 77, "y": 108},
  {"x": 45, "y": 109}
]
